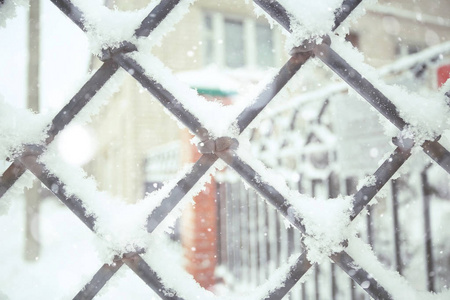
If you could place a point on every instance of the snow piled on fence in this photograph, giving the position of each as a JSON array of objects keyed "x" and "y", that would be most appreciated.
[
  {"x": 121, "y": 226},
  {"x": 326, "y": 221},
  {"x": 207, "y": 112},
  {"x": 18, "y": 127},
  {"x": 303, "y": 15},
  {"x": 426, "y": 113},
  {"x": 108, "y": 28},
  {"x": 395, "y": 284}
]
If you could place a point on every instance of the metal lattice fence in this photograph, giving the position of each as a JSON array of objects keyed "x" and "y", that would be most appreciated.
[{"x": 223, "y": 148}]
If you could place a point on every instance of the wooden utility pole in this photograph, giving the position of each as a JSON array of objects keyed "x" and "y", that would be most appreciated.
[{"x": 32, "y": 245}]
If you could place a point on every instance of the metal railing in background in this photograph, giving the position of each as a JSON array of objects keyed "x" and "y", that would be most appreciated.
[
  {"x": 222, "y": 148},
  {"x": 254, "y": 240}
]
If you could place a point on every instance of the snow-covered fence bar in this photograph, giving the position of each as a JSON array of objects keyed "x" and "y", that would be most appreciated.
[
  {"x": 293, "y": 207},
  {"x": 359, "y": 83},
  {"x": 399, "y": 67}
]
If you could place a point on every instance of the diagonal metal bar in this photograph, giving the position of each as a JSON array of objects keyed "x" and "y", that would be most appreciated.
[
  {"x": 270, "y": 91},
  {"x": 133, "y": 260},
  {"x": 361, "y": 199},
  {"x": 148, "y": 275},
  {"x": 279, "y": 13},
  {"x": 377, "y": 99},
  {"x": 159, "y": 92},
  {"x": 179, "y": 191},
  {"x": 275, "y": 198},
  {"x": 433, "y": 149},
  {"x": 360, "y": 276},
  {"x": 382, "y": 176},
  {"x": 158, "y": 14},
  {"x": 171, "y": 103},
  {"x": 10, "y": 176},
  {"x": 344, "y": 11},
  {"x": 144, "y": 265},
  {"x": 81, "y": 98},
  {"x": 105, "y": 273},
  {"x": 71, "y": 11},
  {"x": 438, "y": 153},
  {"x": 272, "y": 195},
  {"x": 55, "y": 185},
  {"x": 276, "y": 11},
  {"x": 366, "y": 89},
  {"x": 296, "y": 272},
  {"x": 204, "y": 163},
  {"x": 154, "y": 18}
]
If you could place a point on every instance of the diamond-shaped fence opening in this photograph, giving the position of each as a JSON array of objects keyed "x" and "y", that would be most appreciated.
[{"x": 304, "y": 214}]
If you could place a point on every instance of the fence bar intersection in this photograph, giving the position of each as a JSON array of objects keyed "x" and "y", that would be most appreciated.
[
  {"x": 361, "y": 85},
  {"x": 133, "y": 260},
  {"x": 29, "y": 160},
  {"x": 92, "y": 86},
  {"x": 189, "y": 118},
  {"x": 275, "y": 198},
  {"x": 99, "y": 280},
  {"x": 377, "y": 99}
]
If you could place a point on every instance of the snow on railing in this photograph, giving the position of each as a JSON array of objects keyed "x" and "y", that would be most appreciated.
[{"x": 125, "y": 228}]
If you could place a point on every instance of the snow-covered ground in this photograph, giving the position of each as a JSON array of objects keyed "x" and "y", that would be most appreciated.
[{"x": 68, "y": 259}]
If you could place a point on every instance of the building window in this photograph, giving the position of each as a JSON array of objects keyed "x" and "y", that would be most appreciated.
[
  {"x": 208, "y": 41},
  {"x": 265, "y": 48},
  {"x": 236, "y": 42}
]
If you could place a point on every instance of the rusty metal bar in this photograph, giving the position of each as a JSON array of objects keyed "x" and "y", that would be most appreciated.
[
  {"x": 103, "y": 275},
  {"x": 382, "y": 176},
  {"x": 271, "y": 195},
  {"x": 269, "y": 92},
  {"x": 71, "y": 11},
  {"x": 92, "y": 86},
  {"x": 360, "y": 276},
  {"x": 153, "y": 19},
  {"x": 81, "y": 98},
  {"x": 158, "y": 14},
  {"x": 57, "y": 187},
  {"x": 360, "y": 84},
  {"x": 279, "y": 13},
  {"x": 159, "y": 92},
  {"x": 266, "y": 190},
  {"x": 10, "y": 176},
  {"x": 296, "y": 272},
  {"x": 377, "y": 99},
  {"x": 179, "y": 191},
  {"x": 149, "y": 276}
]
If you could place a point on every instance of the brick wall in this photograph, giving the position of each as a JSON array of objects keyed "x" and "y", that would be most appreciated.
[{"x": 199, "y": 230}]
